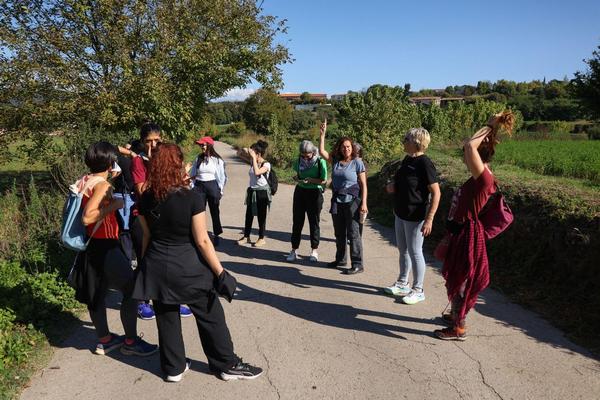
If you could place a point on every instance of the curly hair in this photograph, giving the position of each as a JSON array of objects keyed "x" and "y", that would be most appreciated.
[
  {"x": 337, "y": 149},
  {"x": 506, "y": 122},
  {"x": 166, "y": 171}
]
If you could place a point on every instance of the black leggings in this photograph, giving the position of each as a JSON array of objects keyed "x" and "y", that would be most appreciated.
[
  {"x": 212, "y": 194},
  {"x": 309, "y": 202},
  {"x": 107, "y": 256},
  {"x": 262, "y": 203}
]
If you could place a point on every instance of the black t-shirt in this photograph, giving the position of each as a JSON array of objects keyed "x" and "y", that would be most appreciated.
[
  {"x": 411, "y": 183},
  {"x": 170, "y": 221},
  {"x": 124, "y": 182}
]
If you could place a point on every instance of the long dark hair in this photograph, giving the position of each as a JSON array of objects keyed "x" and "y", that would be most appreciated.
[
  {"x": 337, "y": 149},
  {"x": 260, "y": 147},
  {"x": 209, "y": 151}
]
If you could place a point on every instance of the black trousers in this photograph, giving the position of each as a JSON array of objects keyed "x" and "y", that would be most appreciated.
[
  {"x": 107, "y": 257},
  {"x": 346, "y": 227},
  {"x": 214, "y": 335},
  {"x": 309, "y": 202},
  {"x": 262, "y": 203},
  {"x": 212, "y": 194}
]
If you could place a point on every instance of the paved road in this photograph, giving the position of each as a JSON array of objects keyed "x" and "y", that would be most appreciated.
[{"x": 323, "y": 335}]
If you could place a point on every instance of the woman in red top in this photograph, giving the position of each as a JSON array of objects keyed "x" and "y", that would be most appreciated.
[
  {"x": 466, "y": 267},
  {"x": 107, "y": 265}
]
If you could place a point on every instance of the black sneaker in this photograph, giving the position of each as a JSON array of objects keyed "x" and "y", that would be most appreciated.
[
  {"x": 335, "y": 264},
  {"x": 241, "y": 371}
]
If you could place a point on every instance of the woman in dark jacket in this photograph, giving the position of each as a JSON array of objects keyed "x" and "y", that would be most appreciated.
[
  {"x": 180, "y": 265},
  {"x": 466, "y": 268}
]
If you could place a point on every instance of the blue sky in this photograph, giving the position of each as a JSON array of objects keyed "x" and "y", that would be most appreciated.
[{"x": 349, "y": 45}]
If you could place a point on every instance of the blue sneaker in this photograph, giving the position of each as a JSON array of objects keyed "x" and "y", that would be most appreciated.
[
  {"x": 139, "y": 348},
  {"x": 145, "y": 311},
  {"x": 115, "y": 342},
  {"x": 184, "y": 311}
]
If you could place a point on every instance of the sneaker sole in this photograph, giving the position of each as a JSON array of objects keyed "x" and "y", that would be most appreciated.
[
  {"x": 457, "y": 338},
  {"x": 178, "y": 378},
  {"x": 227, "y": 377},
  {"x": 103, "y": 352},
  {"x": 126, "y": 352},
  {"x": 410, "y": 303},
  {"x": 146, "y": 318},
  {"x": 185, "y": 315}
]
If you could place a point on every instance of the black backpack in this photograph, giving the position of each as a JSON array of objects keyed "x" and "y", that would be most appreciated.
[{"x": 272, "y": 180}]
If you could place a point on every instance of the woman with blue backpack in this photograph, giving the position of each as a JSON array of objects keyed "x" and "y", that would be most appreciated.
[{"x": 106, "y": 264}]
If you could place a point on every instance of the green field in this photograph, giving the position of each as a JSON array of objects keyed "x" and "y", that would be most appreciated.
[{"x": 574, "y": 159}]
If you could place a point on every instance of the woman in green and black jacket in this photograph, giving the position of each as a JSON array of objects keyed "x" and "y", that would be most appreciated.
[{"x": 311, "y": 174}]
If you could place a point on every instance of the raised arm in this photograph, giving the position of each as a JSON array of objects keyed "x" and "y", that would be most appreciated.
[
  {"x": 472, "y": 157},
  {"x": 204, "y": 244},
  {"x": 324, "y": 153},
  {"x": 258, "y": 171}
]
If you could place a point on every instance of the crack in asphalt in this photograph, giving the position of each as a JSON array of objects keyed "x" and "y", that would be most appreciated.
[
  {"x": 480, "y": 369},
  {"x": 268, "y": 369}
]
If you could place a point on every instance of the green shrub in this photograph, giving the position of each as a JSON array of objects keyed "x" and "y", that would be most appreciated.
[
  {"x": 236, "y": 128},
  {"x": 282, "y": 147},
  {"x": 594, "y": 132}
]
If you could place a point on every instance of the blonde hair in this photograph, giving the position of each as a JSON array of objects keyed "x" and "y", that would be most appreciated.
[{"x": 419, "y": 137}]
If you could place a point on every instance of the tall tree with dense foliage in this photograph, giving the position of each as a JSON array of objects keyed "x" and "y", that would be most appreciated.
[
  {"x": 260, "y": 108},
  {"x": 113, "y": 63},
  {"x": 586, "y": 85}
]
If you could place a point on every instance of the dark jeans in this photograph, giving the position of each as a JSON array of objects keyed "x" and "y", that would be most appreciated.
[
  {"x": 107, "y": 257},
  {"x": 137, "y": 236},
  {"x": 211, "y": 192},
  {"x": 214, "y": 335},
  {"x": 309, "y": 202},
  {"x": 262, "y": 203},
  {"x": 347, "y": 230}
]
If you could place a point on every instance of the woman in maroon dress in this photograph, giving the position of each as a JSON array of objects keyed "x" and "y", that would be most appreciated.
[{"x": 466, "y": 268}]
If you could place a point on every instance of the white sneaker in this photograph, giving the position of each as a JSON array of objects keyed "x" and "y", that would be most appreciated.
[
  {"x": 292, "y": 256},
  {"x": 177, "y": 378},
  {"x": 314, "y": 256},
  {"x": 398, "y": 289},
  {"x": 415, "y": 296}
]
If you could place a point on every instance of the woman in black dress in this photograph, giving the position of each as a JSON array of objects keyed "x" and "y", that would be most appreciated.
[{"x": 179, "y": 265}]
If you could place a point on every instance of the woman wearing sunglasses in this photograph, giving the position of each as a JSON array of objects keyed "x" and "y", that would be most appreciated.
[
  {"x": 209, "y": 178},
  {"x": 311, "y": 175},
  {"x": 414, "y": 184}
]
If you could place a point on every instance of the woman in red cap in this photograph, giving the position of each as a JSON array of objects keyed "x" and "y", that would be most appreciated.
[{"x": 209, "y": 178}]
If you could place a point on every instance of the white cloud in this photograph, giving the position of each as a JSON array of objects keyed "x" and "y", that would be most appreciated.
[{"x": 238, "y": 94}]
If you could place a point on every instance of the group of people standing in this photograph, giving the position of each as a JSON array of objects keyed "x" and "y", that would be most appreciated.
[{"x": 176, "y": 260}]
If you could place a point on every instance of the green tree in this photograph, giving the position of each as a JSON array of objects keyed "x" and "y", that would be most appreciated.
[
  {"x": 260, "y": 108},
  {"x": 377, "y": 119},
  {"x": 114, "y": 63},
  {"x": 305, "y": 98},
  {"x": 586, "y": 85},
  {"x": 302, "y": 120}
]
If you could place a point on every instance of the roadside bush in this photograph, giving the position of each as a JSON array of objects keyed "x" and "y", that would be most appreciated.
[
  {"x": 594, "y": 132},
  {"x": 29, "y": 228},
  {"x": 236, "y": 128},
  {"x": 282, "y": 147}
]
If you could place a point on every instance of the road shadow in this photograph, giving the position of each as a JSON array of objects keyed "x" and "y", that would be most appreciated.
[
  {"x": 277, "y": 235},
  {"x": 329, "y": 314},
  {"x": 334, "y": 315}
]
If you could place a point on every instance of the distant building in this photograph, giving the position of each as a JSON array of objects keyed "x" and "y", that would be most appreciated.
[
  {"x": 337, "y": 97},
  {"x": 437, "y": 100},
  {"x": 427, "y": 100}
]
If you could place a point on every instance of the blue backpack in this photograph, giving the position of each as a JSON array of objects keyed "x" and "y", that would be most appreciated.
[{"x": 72, "y": 233}]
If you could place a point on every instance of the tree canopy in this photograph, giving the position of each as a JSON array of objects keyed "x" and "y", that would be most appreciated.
[
  {"x": 587, "y": 85},
  {"x": 114, "y": 63}
]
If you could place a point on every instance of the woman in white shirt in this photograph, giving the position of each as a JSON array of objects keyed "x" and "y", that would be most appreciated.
[
  {"x": 258, "y": 195},
  {"x": 209, "y": 178}
]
